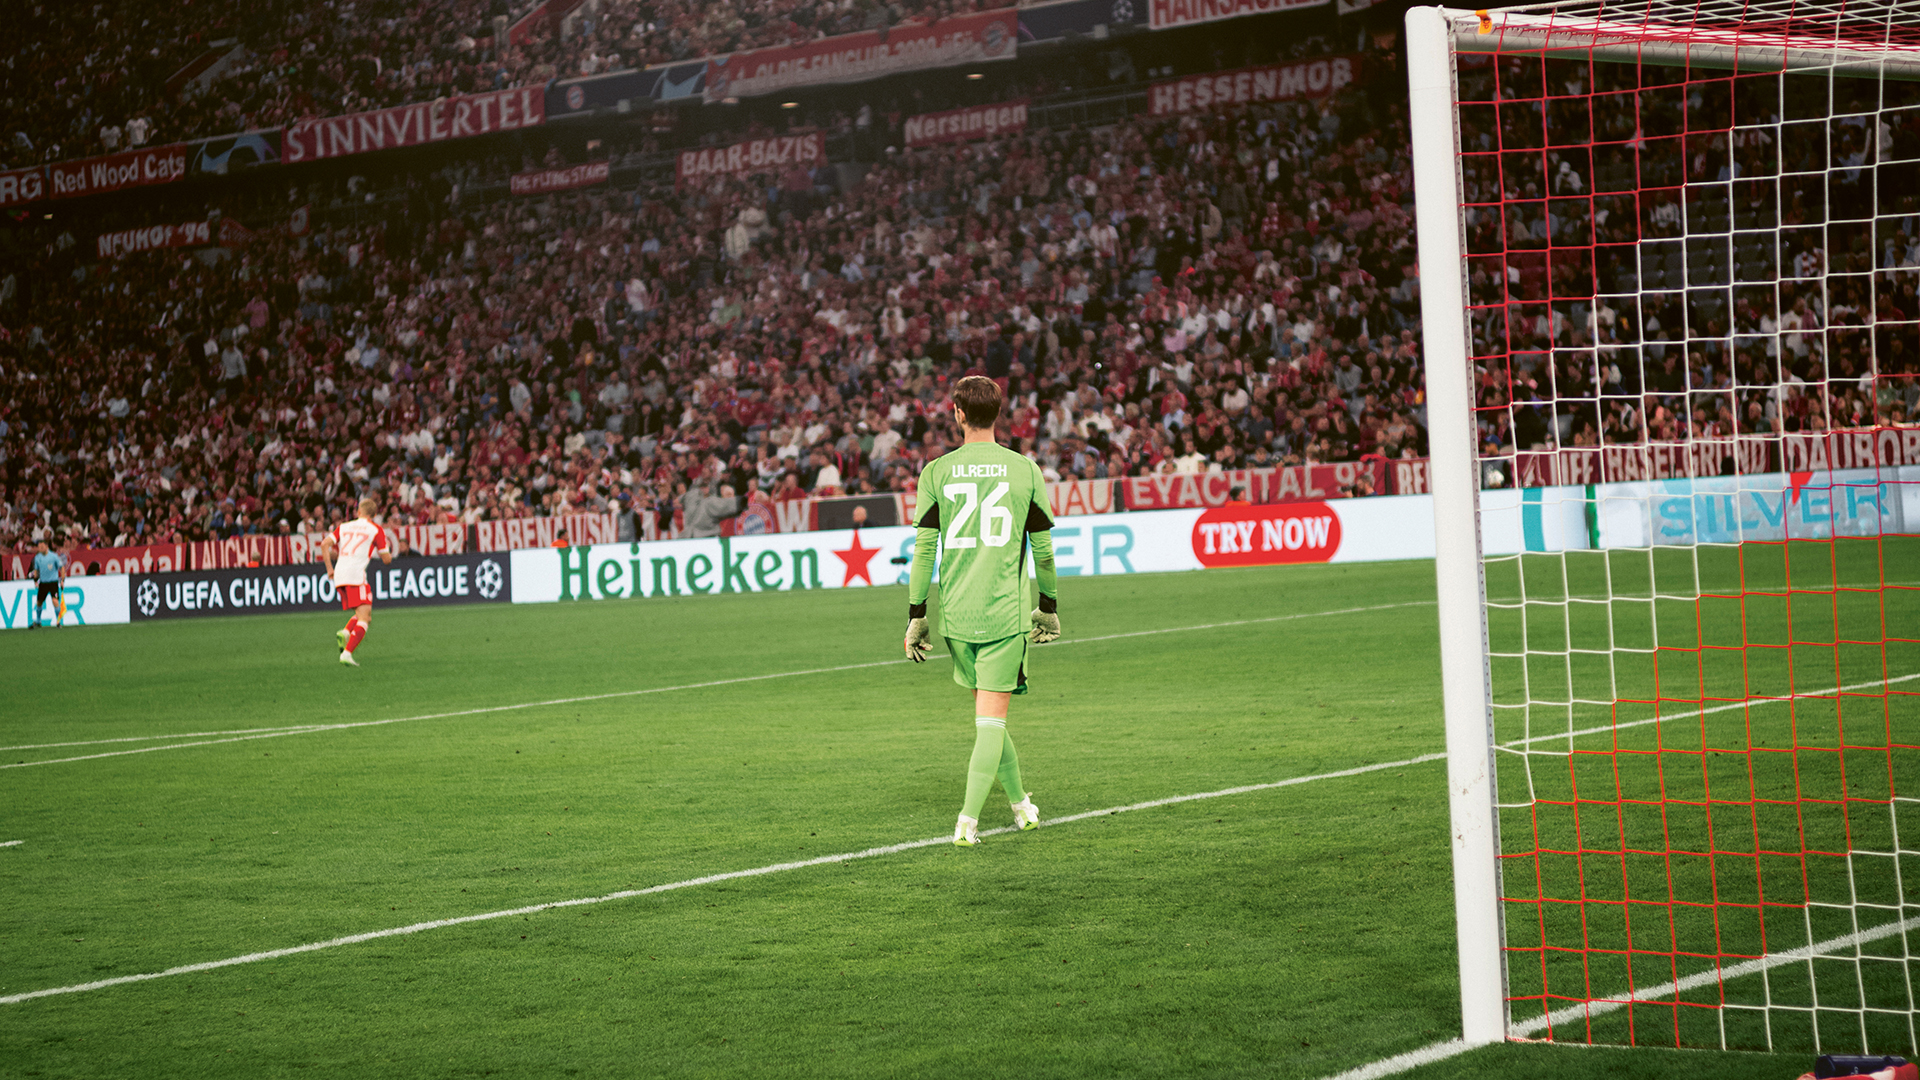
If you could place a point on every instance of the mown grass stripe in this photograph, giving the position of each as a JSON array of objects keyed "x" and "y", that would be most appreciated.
[
  {"x": 250, "y": 734},
  {"x": 710, "y": 879}
]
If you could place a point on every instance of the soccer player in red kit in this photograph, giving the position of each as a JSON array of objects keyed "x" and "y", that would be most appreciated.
[{"x": 346, "y": 552}]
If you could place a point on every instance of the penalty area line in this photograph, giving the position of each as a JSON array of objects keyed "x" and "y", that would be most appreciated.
[
  {"x": 250, "y": 734},
  {"x": 710, "y": 879}
]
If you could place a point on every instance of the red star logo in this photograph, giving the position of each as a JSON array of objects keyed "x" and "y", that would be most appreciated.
[{"x": 856, "y": 559}]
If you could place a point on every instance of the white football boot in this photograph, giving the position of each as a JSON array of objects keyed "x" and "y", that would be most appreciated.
[
  {"x": 966, "y": 832},
  {"x": 1025, "y": 814},
  {"x": 347, "y": 659}
]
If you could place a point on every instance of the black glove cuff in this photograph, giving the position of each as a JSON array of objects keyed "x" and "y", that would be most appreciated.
[
  {"x": 917, "y": 611},
  {"x": 1049, "y": 605}
]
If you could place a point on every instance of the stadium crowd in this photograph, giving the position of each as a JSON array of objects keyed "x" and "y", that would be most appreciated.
[
  {"x": 87, "y": 79},
  {"x": 1749, "y": 301},
  {"x": 1208, "y": 291}
]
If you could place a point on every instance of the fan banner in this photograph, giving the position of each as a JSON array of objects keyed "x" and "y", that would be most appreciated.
[
  {"x": 21, "y": 186},
  {"x": 90, "y": 601},
  {"x": 1070, "y": 19},
  {"x": 541, "y": 181},
  {"x": 115, "y": 172},
  {"x": 1276, "y": 82},
  {"x": 541, "y": 532},
  {"x": 228, "y": 154},
  {"x": 776, "y": 153},
  {"x": 186, "y": 234},
  {"x": 1745, "y": 455},
  {"x": 414, "y": 125},
  {"x": 963, "y": 125},
  {"x": 444, "y": 579},
  {"x": 1291, "y": 484},
  {"x": 1166, "y": 14},
  {"x": 912, "y": 46},
  {"x": 145, "y": 558}
]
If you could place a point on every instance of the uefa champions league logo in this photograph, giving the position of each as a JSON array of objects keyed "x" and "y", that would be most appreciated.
[
  {"x": 487, "y": 577},
  {"x": 1122, "y": 11},
  {"x": 149, "y": 598}
]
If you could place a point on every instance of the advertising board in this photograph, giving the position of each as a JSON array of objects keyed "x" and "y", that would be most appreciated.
[
  {"x": 445, "y": 579},
  {"x": 91, "y": 601},
  {"x": 1339, "y": 530}
]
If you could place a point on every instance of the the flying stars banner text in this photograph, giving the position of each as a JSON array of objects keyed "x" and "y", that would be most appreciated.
[
  {"x": 415, "y": 125},
  {"x": 541, "y": 181}
]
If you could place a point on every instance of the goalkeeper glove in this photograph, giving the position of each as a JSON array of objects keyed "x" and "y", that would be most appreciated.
[
  {"x": 1046, "y": 620},
  {"x": 919, "y": 634}
]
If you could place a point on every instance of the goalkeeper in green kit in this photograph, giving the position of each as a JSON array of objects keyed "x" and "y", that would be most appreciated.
[{"x": 979, "y": 506}]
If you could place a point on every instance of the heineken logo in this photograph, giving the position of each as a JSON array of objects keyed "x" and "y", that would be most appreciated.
[{"x": 725, "y": 564}]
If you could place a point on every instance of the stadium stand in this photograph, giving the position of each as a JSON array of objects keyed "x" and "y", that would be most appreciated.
[
  {"x": 96, "y": 78},
  {"x": 1223, "y": 290}
]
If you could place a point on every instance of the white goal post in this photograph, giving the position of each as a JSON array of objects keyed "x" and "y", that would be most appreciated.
[{"x": 1686, "y": 317}]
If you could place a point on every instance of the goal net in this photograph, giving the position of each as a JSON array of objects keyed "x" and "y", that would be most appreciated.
[{"x": 1669, "y": 256}]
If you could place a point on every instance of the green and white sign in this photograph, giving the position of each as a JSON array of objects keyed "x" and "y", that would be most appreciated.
[{"x": 777, "y": 562}]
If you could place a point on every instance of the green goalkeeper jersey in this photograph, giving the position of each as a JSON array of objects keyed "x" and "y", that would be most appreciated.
[{"x": 979, "y": 505}]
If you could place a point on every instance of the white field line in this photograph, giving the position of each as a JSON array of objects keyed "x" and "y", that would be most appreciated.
[
  {"x": 12, "y": 843},
  {"x": 307, "y": 729},
  {"x": 151, "y": 738},
  {"x": 626, "y": 894},
  {"x": 1440, "y": 1051},
  {"x": 1728, "y": 707}
]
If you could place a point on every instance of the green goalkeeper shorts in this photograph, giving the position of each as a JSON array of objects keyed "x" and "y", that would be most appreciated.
[{"x": 991, "y": 665}]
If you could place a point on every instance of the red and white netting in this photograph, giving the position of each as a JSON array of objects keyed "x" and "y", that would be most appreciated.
[{"x": 1692, "y": 238}]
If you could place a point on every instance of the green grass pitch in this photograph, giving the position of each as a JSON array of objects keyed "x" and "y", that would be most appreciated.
[{"x": 1296, "y": 931}]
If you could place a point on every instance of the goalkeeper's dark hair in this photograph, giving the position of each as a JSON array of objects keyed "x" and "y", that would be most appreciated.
[{"x": 978, "y": 398}]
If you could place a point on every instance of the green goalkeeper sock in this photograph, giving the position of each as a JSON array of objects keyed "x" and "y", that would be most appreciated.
[
  {"x": 989, "y": 735},
  {"x": 1010, "y": 769}
]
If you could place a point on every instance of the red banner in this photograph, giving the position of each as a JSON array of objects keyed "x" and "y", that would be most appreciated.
[
  {"x": 553, "y": 11},
  {"x": 134, "y": 168},
  {"x": 263, "y": 549},
  {"x": 960, "y": 125},
  {"x": 1162, "y": 14},
  {"x": 444, "y": 539},
  {"x": 543, "y": 531},
  {"x": 186, "y": 234},
  {"x": 1869, "y": 448},
  {"x": 415, "y": 125},
  {"x": 1411, "y": 478},
  {"x": 911, "y": 46},
  {"x": 145, "y": 559},
  {"x": 1277, "y": 82},
  {"x": 1299, "y": 483},
  {"x": 1070, "y": 497},
  {"x": 774, "y": 154},
  {"x": 22, "y": 186},
  {"x": 541, "y": 181},
  {"x": 1265, "y": 535}
]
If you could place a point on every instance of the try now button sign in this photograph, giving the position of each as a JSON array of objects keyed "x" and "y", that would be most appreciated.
[{"x": 1265, "y": 535}]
